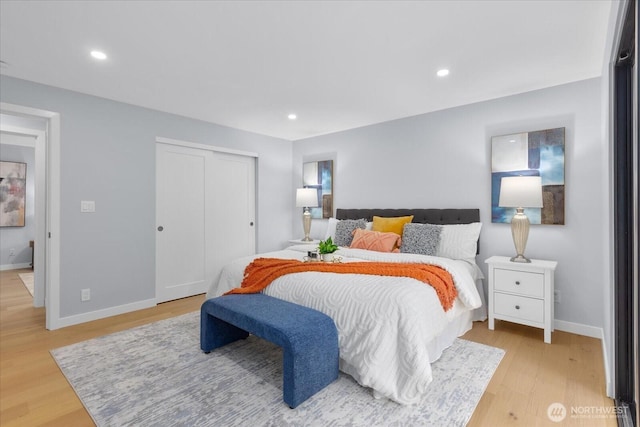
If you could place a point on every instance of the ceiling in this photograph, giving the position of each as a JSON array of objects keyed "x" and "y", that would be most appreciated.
[{"x": 336, "y": 64}]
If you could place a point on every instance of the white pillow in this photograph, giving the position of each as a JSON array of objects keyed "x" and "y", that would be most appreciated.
[
  {"x": 459, "y": 241},
  {"x": 333, "y": 223},
  {"x": 331, "y": 229}
]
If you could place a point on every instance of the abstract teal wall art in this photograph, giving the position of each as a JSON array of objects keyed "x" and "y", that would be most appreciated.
[
  {"x": 319, "y": 175},
  {"x": 538, "y": 153}
]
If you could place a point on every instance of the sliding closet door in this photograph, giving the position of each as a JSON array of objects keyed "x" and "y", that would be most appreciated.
[
  {"x": 205, "y": 216},
  {"x": 235, "y": 207}
]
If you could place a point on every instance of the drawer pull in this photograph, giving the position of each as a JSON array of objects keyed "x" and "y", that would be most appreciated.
[
  {"x": 517, "y": 307},
  {"x": 517, "y": 282}
]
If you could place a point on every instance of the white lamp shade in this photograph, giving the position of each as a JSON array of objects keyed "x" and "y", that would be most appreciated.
[
  {"x": 306, "y": 198},
  {"x": 521, "y": 192}
]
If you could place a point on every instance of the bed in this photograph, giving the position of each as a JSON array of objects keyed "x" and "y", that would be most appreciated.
[{"x": 390, "y": 328}]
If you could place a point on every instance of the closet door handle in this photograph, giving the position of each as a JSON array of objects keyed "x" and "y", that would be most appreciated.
[
  {"x": 517, "y": 282},
  {"x": 160, "y": 228},
  {"x": 517, "y": 307}
]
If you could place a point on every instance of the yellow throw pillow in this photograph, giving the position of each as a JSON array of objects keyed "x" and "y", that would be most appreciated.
[{"x": 391, "y": 225}]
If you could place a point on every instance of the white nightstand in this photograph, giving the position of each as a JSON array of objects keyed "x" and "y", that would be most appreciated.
[
  {"x": 522, "y": 293},
  {"x": 300, "y": 242}
]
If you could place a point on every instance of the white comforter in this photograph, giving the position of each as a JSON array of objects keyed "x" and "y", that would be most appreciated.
[{"x": 384, "y": 323}]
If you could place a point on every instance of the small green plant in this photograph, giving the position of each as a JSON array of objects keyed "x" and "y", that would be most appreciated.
[{"x": 327, "y": 246}]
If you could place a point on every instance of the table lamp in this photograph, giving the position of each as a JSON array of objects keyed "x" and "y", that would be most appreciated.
[
  {"x": 520, "y": 192},
  {"x": 306, "y": 198}
]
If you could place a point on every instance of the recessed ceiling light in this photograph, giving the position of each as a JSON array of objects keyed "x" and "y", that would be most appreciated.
[
  {"x": 443, "y": 72},
  {"x": 292, "y": 116},
  {"x": 98, "y": 54}
]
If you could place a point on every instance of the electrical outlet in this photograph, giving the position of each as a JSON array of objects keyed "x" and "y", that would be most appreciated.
[
  {"x": 556, "y": 296},
  {"x": 87, "y": 206},
  {"x": 12, "y": 252},
  {"x": 85, "y": 294}
]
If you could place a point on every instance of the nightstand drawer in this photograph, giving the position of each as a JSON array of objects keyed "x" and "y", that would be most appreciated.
[
  {"x": 519, "y": 307},
  {"x": 519, "y": 282}
]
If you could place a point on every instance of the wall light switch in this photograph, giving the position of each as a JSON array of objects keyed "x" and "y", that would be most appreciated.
[{"x": 87, "y": 206}]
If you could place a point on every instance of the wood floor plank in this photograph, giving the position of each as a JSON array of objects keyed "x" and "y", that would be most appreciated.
[{"x": 532, "y": 374}]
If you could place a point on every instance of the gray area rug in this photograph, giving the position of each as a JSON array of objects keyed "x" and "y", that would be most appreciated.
[{"x": 156, "y": 375}]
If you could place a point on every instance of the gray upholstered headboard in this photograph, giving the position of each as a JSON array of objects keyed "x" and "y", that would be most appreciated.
[{"x": 423, "y": 216}]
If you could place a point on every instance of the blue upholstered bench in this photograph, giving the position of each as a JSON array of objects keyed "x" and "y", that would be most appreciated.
[{"x": 309, "y": 338}]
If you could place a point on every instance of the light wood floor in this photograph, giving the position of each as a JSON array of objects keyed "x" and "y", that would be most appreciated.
[{"x": 33, "y": 391}]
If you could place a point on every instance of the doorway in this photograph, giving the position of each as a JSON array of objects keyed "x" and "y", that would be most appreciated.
[
  {"x": 46, "y": 251},
  {"x": 17, "y": 236}
]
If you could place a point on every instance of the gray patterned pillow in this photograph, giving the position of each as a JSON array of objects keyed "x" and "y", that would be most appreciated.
[
  {"x": 421, "y": 239},
  {"x": 344, "y": 230}
]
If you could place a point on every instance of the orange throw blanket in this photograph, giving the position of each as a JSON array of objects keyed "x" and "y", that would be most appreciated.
[{"x": 262, "y": 271}]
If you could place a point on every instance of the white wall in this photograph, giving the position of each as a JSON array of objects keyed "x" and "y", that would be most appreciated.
[
  {"x": 17, "y": 238},
  {"x": 108, "y": 155},
  {"x": 442, "y": 160}
]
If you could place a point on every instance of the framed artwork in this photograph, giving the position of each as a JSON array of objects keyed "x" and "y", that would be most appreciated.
[
  {"x": 13, "y": 186},
  {"x": 539, "y": 153},
  {"x": 319, "y": 175}
]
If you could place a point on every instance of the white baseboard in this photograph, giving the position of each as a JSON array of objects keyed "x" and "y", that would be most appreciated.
[
  {"x": 579, "y": 329},
  {"x": 15, "y": 266},
  {"x": 101, "y": 314}
]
